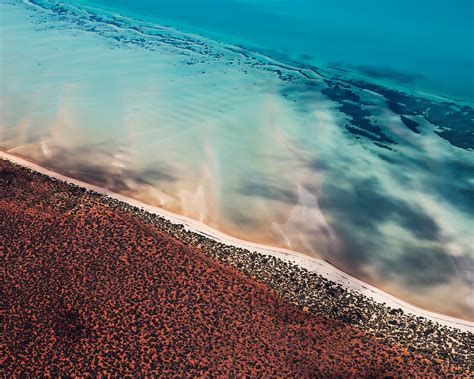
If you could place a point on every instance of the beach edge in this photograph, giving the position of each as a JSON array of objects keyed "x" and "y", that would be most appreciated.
[{"x": 315, "y": 265}]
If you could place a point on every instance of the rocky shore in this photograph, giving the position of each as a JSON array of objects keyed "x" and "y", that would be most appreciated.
[{"x": 64, "y": 247}]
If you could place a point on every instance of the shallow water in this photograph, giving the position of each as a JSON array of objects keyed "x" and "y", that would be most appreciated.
[{"x": 362, "y": 167}]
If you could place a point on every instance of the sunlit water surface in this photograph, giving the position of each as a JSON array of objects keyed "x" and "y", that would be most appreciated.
[{"x": 353, "y": 163}]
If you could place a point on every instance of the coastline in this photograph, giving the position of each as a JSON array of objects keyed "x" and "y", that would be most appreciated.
[
  {"x": 95, "y": 286},
  {"x": 85, "y": 256},
  {"x": 152, "y": 234},
  {"x": 410, "y": 245},
  {"x": 314, "y": 265}
]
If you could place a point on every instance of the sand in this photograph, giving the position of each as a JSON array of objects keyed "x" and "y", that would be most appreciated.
[
  {"x": 95, "y": 285},
  {"x": 90, "y": 288},
  {"x": 313, "y": 264}
]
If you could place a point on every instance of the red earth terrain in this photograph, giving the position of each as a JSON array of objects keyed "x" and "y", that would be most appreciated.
[{"x": 87, "y": 289}]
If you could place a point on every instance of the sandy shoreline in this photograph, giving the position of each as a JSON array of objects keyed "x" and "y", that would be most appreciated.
[
  {"x": 314, "y": 265},
  {"x": 93, "y": 285}
]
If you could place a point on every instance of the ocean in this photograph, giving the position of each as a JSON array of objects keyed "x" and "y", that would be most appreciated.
[
  {"x": 338, "y": 129},
  {"x": 428, "y": 45}
]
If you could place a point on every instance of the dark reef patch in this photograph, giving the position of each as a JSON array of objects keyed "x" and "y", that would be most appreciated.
[
  {"x": 453, "y": 123},
  {"x": 410, "y": 124},
  {"x": 349, "y": 103},
  {"x": 339, "y": 93}
]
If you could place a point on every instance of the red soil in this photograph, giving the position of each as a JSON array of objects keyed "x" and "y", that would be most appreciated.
[{"x": 89, "y": 290}]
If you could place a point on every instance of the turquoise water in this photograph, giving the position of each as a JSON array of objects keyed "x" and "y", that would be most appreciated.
[
  {"x": 419, "y": 43},
  {"x": 349, "y": 139}
]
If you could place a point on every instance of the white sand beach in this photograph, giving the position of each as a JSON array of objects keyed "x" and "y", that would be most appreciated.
[{"x": 316, "y": 265}]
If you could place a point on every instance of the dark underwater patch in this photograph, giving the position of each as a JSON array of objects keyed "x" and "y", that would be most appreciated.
[
  {"x": 410, "y": 124},
  {"x": 364, "y": 206},
  {"x": 455, "y": 124},
  {"x": 423, "y": 267},
  {"x": 388, "y": 73},
  {"x": 260, "y": 186},
  {"x": 359, "y": 117},
  {"x": 339, "y": 93}
]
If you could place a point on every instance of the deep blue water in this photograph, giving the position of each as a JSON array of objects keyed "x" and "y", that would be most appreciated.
[{"x": 423, "y": 43}]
